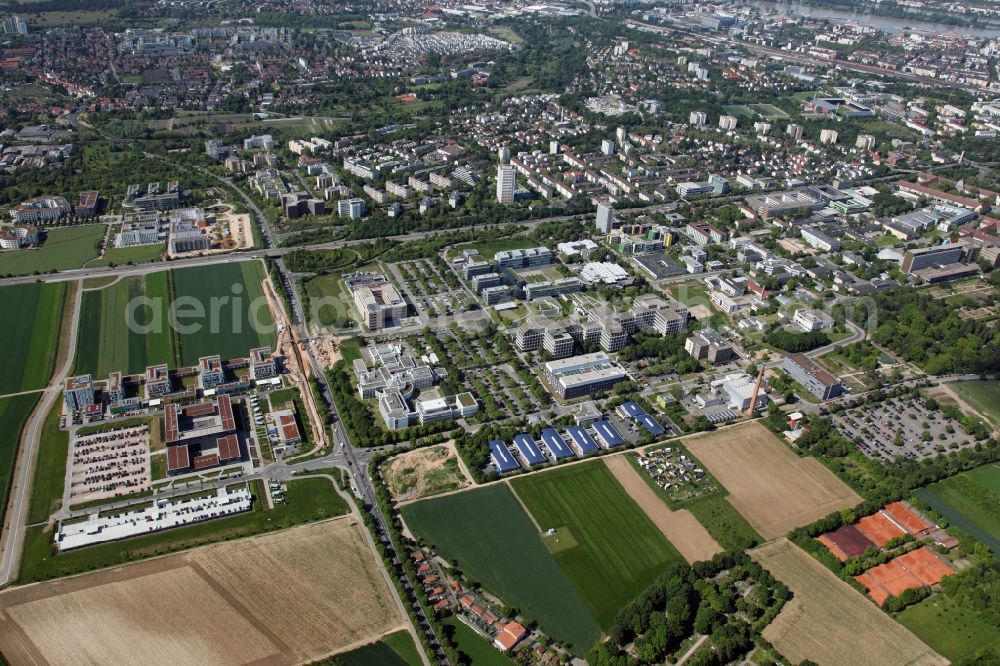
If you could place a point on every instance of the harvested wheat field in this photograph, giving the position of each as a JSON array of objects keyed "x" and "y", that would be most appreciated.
[
  {"x": 281, "y": 598},
  {"x": 681, "y": 528},
  {"x": 830, "y": 622},
  {"x": 425, "y": 472},
  {"x": 775, "y": 490}
]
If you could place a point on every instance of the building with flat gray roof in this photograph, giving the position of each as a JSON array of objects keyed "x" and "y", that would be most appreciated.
[{"x": 582, "y": 375}]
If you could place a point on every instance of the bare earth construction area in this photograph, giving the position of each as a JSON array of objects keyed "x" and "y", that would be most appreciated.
[
  {"x": 831, "y": 623},
  {"x": 775, "y": 490},
  {"x": 281, "y": 598},
  {"x": 681, "y": 528}
]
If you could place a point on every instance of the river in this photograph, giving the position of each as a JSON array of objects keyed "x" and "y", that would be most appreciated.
[{"x": 889, "y": 24}]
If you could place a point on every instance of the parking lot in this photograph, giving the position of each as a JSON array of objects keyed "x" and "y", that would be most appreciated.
[
  {"x": 901, "y": 427},
  {"x": 109, "y": 464},
  {"x": 434, "y": 289}
]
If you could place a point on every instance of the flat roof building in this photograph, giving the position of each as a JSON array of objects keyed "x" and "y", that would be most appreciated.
[
  {"x": 815, "y": 379},
  {"x": 376, "y": 300},
  {"x": 78, "y": 393},
  {"x": 581, "y": 375}
]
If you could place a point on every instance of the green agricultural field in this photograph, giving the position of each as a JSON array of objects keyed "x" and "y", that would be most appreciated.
[
  {"x": 474, "y": 646},
  {"x": 984, "y": 397},
  {"x": 393, "y": 650},
  {"x": 724, "y": 523},
  {"x": 487, "y": 535},
  {"x": 37, "y": 310},
  {"x": 236, "y": 315},
  {"x": 64, "y": 248},
  {"x": 950, "y": 630},
  {"x": 588, "y": 501},
  {"x": 105, "y": 343},
  {"x": 969, "y": 501},
  {"x": 14, "y": 413}
]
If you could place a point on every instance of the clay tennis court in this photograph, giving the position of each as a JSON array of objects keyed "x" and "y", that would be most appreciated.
[
  {"x": 774, "y": 489},
  {"x": 914, "y": 569},
  {"x": 277, "y": 599},
  {"x": 904, "y": 516},
  {"x": 680, "y": 528},
  {"x": 879, "y": 529},
  {"x": 846, "y": 542},
  {"x": 830, "y": 622}
]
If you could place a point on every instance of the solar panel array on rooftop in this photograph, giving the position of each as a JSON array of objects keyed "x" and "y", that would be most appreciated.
[
  {"x": 528, "y": 449},
  {"x": 502, "y": 457},
  {"x": 554, "y": 442},
  {"x": 584, "y": 442},
  {"x": 634, "y": 410},
  {"x": 607, "y": 433}
]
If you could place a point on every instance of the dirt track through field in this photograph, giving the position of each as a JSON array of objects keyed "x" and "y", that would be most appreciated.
[
  {"x": 774, "y": 489},
  {"x": 680, "y": 528},
  {"x": 830, "y": 622},
  {"x": 283, "y": 598}
]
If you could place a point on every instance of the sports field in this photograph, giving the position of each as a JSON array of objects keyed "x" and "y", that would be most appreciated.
[
  {"x": 64, "y": 248},
  {"x": 952, "y": 630},
  {"x": 105, "y": 340},
  {"x": 14, "y": 413},
  {"x": 767, "y": 111},
  {"x": 396, "y": 649},
  {"x": 831, "y": 623},
  {"x": 589, "y": 504},
  {"x": 775, "y": 490},
  {"x": 487, "y": 535},
  {"x": 283, "y": 598},
  {"x": 33, "y": 315},
  {"x": 969, "y": 501},
  {"x": 984, "y": 397},
  {"x": 237, "y": 318}
]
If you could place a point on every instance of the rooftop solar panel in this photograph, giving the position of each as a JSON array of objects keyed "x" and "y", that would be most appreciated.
[
  {"x": 502, "y": 457},
  {"x": 633, "y": 409},
  {"x": 529, "y": 449},
  {"x": 607, "y": 433},
  {"x": 651, "y": 425},
  {"x": 556, "y": 444},
  {"x": 582, "y": 439}
]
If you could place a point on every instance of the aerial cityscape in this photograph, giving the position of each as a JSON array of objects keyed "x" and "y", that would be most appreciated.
[{"x": 394, "y": 333}]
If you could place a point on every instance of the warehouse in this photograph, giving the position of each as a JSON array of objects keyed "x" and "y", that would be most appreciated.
[
  {"x": 529, "y": 450},
  {"x": 607, "y": 434},
  {"x": 555, "y": 444},
  {"x": 502, "y": 457},
  {"x": 585, "y": 444},
  {"x": 632, "y": 410}
]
